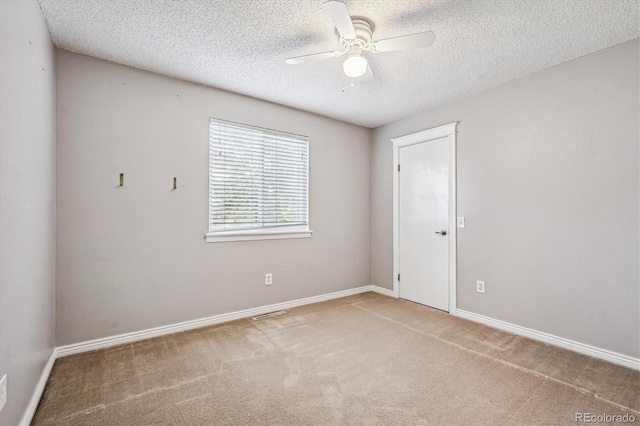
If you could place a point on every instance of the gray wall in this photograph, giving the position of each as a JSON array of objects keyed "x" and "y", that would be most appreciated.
[
  {"x": 27, "y": 190},
  {"x": 134, "y": 257},
  {"x": 548, "y": 183}
]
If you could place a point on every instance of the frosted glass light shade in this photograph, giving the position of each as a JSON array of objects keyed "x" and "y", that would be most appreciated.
[{"x": 355, "y": 65}]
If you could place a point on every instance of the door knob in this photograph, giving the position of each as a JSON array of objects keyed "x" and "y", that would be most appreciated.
[{"x": 443, "y": 232}]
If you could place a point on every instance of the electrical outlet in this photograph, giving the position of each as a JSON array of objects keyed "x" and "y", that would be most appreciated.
[
  {"x": 268, "y": 279},
  {"x": 480, "y": 286},
  {"x": 3, "y": 391},
  {"x": 461, "y": 222}
]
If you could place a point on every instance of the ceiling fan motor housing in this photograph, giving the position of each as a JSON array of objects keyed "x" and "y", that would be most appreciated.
[{"x": 364, "y": 33}]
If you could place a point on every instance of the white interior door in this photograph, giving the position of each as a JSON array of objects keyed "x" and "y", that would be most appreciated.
[{"x": 423, "y": 223}]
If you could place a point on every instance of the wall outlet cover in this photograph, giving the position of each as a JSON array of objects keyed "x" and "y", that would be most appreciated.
[
  {"x": 268, "y": 279},
  {"x": 480, "y": 286}
]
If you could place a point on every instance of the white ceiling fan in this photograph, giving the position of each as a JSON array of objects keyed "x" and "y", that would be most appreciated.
[{"x": 356, "y": 34}]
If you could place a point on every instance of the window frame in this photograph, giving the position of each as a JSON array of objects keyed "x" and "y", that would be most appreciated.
[{"x": 264, "y": 233}]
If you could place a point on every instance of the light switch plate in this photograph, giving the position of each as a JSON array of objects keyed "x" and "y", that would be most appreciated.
[{"x": 461, "y": 222}]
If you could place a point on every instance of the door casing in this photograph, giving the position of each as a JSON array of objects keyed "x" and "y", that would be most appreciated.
[{"x": 446, "y": 131}]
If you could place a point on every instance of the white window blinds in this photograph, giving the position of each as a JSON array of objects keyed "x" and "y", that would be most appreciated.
[{"x": 258, "y": 178}]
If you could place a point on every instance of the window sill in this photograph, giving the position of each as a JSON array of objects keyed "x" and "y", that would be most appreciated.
[{"x": 255, "y": 235}]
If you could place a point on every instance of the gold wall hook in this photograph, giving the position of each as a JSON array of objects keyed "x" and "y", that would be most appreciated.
[
  {"x": 175, "y": 183},
  {"x": 121, "y": 179}
]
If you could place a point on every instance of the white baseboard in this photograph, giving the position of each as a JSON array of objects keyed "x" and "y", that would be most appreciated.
[
  {"x": 382, "y": 290},
  {"x": 604, "y": 354},
  {"x": 120, "y": 339},
  {"x": 37, "y": 393}
]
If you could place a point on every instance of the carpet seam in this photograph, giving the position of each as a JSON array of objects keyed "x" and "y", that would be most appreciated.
[
  {"x": 509, "y": 364},
  {"x": 98, "y": 407},
  {"x": 278, "y": 346},
  {"x": 525, "y": 401}
]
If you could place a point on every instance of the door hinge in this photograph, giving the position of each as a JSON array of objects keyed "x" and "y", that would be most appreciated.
[
  {"x": 398, "y": 167},
  {"x": 398, "y": 277}
]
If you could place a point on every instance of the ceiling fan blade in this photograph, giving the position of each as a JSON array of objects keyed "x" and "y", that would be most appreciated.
[
  {"x": 316, "y": 56},
  {"x": 413, "y": 41},
  {"x": 341, "y": 19}
]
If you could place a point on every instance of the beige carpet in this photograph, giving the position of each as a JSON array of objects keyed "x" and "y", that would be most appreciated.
[{"x": 364, "y": 359}]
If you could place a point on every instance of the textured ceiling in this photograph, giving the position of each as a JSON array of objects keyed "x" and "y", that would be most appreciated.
[{"x": 241, "y": 45}]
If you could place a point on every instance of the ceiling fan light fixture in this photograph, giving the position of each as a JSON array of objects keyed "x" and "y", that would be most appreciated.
[{"x": 355, "y": 65}]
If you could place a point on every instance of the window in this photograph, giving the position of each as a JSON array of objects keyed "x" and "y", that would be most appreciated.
[{"x": 258, "y": 183}]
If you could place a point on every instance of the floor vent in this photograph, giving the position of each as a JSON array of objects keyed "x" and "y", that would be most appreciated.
[{"x": 269, "y": 315}]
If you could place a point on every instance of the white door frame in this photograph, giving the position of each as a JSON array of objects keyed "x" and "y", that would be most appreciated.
[{"x": 448, "y": 131}]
